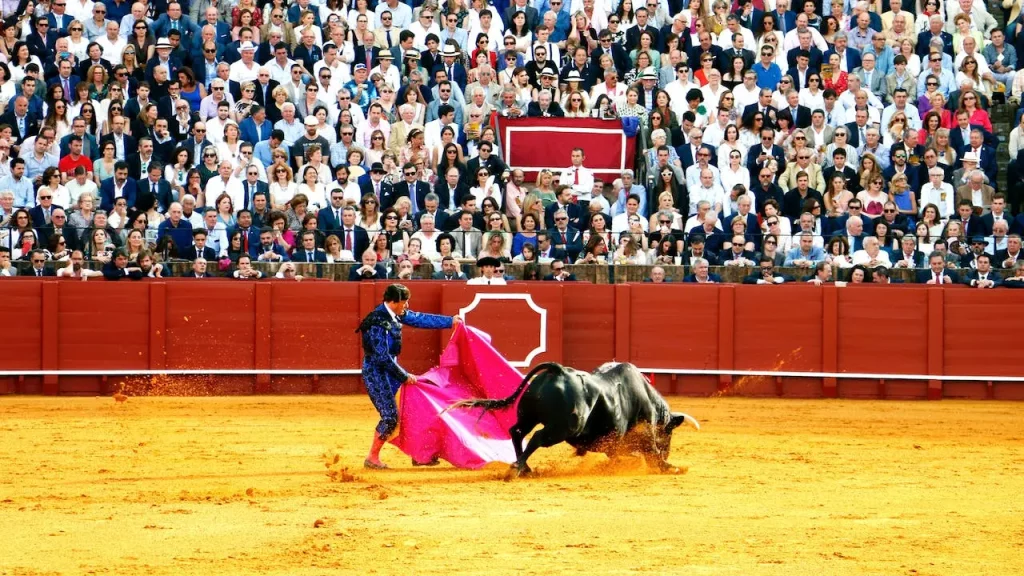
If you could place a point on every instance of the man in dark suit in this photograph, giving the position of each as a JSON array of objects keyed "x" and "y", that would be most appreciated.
[
  {"x": 174, "y": 20},
  {"x": 764, "y": 106},
  {"x": 495, "y": 165},
  {"x": 704, "y": 44},
  {"x": 700, "y": 274},
  {"x": 544, "y": 107},
  {"x": 688, "y": 152},
  {"x": 908, "y": 256},
  {"x": 118, "y": 186},
  {"x": 251, "y": 186},
  {"x": 851, "y": 55},
  {"x": 118, "y": 268},
  {"x": 42, "y": 213},
  {"x": 455, "y": 71},
  {"x": 328, "y": 220},
  {"x": 353, "y": 238},
  {"x": 65, "y": 77},
  {"x": 970, "y": 223},
  {"x": 983, "y": 276},
  {"x": 58, "y": 226},
  {"x": 307, "y": 252},
  {"x": 23, "y": 123},
  {"x": 264, "y": 87},
  {"x": 39, "y": 269},
  {"x": 450, "y": 191},
  {"x": 432, "y": 207},
  {"x": 937, "y": 274},
  {"x": 164, "y": 58},
  {"x": 767, "y": 274},
  {"x": 565, "y": 237},
  {"x": 730, "y": 54},
  {"x": 997, "y": 212},
  {"x": 373, "y": 183},
  {"x": 643, "y": 24},
  {"x": 449, "y": 270},
  {"x": 986, "y": 155},
  {"x": 42, "y": 40},
  {"x": 368, "y": 270},
  {"x": 934, "y": 31},
  {"x": 152, "y": 188},
  {"x": 559, "y": 273},
  {"x": 801, "y": 115},
  {"x": 546, "y": 250},
  {"x": 758, "y": 156},
  {"x": 410, "y": 186},
  {"x": 197, "y": 143},
  {"x": 124, "y": 142},
  {"x": 564, "y": 203},
  {"x": 198, "y": 249},
  {"x": 430, "y": 59},
  {"x": 619, "y": 55}
]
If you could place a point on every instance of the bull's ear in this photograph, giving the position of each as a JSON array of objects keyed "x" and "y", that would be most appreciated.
[{"x": 678, "y": 419}]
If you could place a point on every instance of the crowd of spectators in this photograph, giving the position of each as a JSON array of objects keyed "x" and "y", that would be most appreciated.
[{"x": 823, "y": 135}]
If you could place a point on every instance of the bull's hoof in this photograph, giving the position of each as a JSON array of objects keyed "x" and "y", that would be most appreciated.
[
  {"x": 581, "y": 451},
  {"x": 517, "y": 471},
  {"x": 667, "y": 468}
]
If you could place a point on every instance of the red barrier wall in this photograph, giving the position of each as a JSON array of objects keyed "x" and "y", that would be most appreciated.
[{"x": 222, "y": 324}]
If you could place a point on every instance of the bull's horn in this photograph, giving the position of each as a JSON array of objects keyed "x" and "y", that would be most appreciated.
[{"x": 691, "y": 421}]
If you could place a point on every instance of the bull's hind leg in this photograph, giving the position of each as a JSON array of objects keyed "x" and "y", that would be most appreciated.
[{"x": 518, "y": 434}]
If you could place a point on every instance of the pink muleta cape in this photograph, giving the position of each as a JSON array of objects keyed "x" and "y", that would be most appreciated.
[{"x": 470, "y": 368}]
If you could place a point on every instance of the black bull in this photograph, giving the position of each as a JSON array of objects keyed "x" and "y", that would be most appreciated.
[{"x": 613, "y": 410}]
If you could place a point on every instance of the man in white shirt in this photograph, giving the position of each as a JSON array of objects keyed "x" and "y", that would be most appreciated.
[
  {"x": 714, "y": 133},
  {"x": 678, "y": 88},
  {"x": 280, "y": 65},
  {"x": 620, "y": 222},
  {"x": 708, "y": 190},
  {"x": 938, "y": 193},
  {"x": 227, "y": 183},
  {"x": 340, "y": 72},
  {"x": 425, "y": 24},
  {"x": 702, "y": 161},
  {"x": 578, "y": 177},
  {"x": 488, "y": 273},
  {"x": 246, "y": 69},
  {"x": 112, "y": 43}
]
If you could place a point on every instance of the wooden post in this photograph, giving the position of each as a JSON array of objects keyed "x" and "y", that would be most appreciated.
[
  {"x": 623, "y": 323},
  {"x": 261, "y": 346},
  {"x": 830, "y": 340},
  {"x": 51, "y": 341},
  {"x": 726, "y": 334},
  {"x": 936, "y": 325}
]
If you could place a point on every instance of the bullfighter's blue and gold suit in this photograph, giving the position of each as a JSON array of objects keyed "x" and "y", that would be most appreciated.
[{"x": 382, "y": 343}]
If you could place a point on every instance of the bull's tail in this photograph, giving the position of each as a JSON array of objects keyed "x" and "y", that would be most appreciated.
[{"x": 499, "y": 403}]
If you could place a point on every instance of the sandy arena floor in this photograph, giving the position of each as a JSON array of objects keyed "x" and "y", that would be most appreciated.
[{"x": 206, "y": 486}]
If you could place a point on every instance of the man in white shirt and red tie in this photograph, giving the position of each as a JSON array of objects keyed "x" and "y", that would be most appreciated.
[{"x": 579, "y": 178}]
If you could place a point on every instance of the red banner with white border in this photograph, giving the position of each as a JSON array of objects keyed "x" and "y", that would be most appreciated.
[{"x": 533, "y": 144}]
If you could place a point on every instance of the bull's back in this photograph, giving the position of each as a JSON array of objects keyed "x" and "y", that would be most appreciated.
[{"x": 638, "y": 401}]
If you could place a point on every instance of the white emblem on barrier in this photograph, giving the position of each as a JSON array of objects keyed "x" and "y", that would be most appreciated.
[{"x": 542, "y": 346}]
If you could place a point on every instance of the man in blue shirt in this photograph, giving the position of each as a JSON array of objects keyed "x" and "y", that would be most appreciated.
[
  {"x": 768, "y": 72},
  {"x": 24, "y": 193}
]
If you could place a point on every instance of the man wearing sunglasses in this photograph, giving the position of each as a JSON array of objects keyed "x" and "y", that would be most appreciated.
[{"x": 39, "y": 269}]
